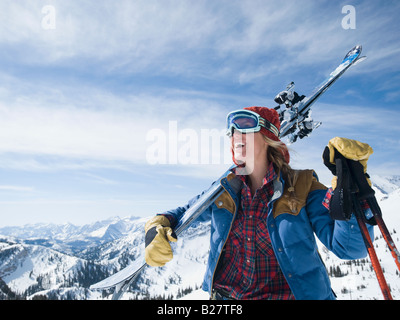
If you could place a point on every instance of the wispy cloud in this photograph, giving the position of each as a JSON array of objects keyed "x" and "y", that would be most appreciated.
[
  {"x": 181, "y": 36},
  {"x": 98, "y": 179},
  {"x": 16, "y": 188},
  {"x": 105, "y": 129}
]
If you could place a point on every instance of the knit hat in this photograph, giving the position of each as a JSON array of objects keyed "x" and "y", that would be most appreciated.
[{"x": 272, "y": 116}]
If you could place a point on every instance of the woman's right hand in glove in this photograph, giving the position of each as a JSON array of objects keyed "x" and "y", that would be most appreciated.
[{"x": 159, "y": 233}]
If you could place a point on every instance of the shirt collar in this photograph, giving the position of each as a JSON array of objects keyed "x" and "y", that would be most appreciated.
[{"x": 269, "y": 176}]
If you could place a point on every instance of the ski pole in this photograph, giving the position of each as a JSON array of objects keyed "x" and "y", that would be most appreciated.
[
  {"x": 384, "y": 230},
  {"x": 367, "y": 193},
  {"x": 354, "y": 168},
  {"x": 371, "y": 251}
]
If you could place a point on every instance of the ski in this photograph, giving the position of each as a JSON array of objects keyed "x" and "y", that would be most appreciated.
[
  {"x": 124, "y": 278},
  {"x": 300, "y": 107}
]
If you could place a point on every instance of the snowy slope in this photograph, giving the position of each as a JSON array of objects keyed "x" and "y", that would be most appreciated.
[
  {"x": 26, "y": 263},
  {"x": 62, "y": 261}
]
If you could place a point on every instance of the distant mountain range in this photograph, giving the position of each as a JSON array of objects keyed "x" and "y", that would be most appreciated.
[
  {"x": 69, "y": 238},
  {"x": 47, "y": 261}
]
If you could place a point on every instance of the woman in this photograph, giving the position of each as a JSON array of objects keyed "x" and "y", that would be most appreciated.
[{"x": 262, "y": 242}]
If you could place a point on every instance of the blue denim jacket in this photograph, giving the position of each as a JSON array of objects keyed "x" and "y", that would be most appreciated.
[{"x": 291, "y": 233}]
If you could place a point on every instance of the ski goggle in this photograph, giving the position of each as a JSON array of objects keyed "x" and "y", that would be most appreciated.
[{"x": 246, "y": 121}]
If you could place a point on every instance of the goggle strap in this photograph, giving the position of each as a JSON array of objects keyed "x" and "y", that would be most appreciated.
[{"x": 269, "y": 126}]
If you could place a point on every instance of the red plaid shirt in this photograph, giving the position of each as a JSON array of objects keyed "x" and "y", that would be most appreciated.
[{"x": 249, "y": 268}]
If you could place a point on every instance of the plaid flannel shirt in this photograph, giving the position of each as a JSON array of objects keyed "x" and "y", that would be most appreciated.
[{"x": 249, "y": 268}]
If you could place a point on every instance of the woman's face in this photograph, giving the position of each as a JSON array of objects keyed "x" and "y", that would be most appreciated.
[{"x": 249, "y": 148}]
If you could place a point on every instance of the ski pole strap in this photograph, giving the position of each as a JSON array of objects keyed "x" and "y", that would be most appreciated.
[
  {"x": 364, "y": 189},
  {"x": 341, "y": 206}
]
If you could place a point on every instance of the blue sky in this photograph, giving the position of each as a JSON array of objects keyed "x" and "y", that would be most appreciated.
[{"x": 82, "y": 90}]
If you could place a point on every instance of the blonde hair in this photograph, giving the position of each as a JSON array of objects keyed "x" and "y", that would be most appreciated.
[{"x": 276, "y": 154}]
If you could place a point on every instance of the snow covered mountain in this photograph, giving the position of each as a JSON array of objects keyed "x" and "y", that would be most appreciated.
[
  {"x": 27, "y": 269},
  {"x": 62, "y": 261},
  {"x": 72, "y": 239}
]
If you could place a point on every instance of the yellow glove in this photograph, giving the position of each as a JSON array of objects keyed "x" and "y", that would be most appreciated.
[
  {"x": 350, "y": 149},
  {"x": 158, "y": 234}
]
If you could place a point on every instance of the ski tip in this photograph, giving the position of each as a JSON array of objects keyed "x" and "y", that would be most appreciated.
[
  {"x": 357, "y": 48},
  {"x": 355, "y": 51}
]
